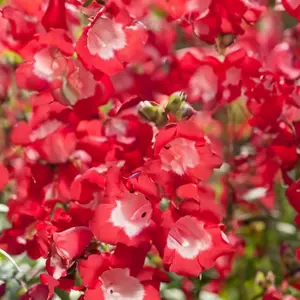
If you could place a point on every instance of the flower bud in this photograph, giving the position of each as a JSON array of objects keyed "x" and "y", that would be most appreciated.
[
  {"x": 175, "y": 102},
  {"x": 260, "y": 278},
  {"x": 185, "y": 111},
  {"x": 152, "y": 113}
]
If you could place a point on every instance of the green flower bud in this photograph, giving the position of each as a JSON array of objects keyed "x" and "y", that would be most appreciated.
[
  {"x": 260, "y": 278},
  {"x": 175, "y": 102},
  {"x": 153, "y": 113},
  {"x": 185, "y": 111}
]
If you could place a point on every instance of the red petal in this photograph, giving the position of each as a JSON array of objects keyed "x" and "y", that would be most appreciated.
[
  {"x": 145, "y": 185},
  {"x": 164, "y": 137},
  {"x": 49, "y": 281},
  {"x": 219, "y": 248},
  {"x": 96, "y": 294},
  {"x": 37, "y": 292},
  {"x": 92, "y": 268},
  {"x": 130, "y": 257},
  {"x": 190, "y": 130},
  {"x": 20, "y": 134},
  {"x": 84, "y": 186},
  {"x": 151, "y": 293},
  {"x": 4, "y": 176},
  {"x": 188, "y": 191},
  {"x": 102, "y": 228},
  {"x": 72, "y": 242},
  {"x": 185, "y": 267},
  {"x": 298, "y": 254},
  {"x": 136, "y": 38},
  {"x": 60, "y": 39},
  {"x": 109, "y": 67},
  {"x": 55, "y": 15},
  {"x": 26, "y": 79},
  {"x": 293, "y": 195}
]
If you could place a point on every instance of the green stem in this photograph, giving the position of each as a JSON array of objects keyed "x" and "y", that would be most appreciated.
[
  {"x": 62, "y": 294},
  {"x": 10, "y": 259}
]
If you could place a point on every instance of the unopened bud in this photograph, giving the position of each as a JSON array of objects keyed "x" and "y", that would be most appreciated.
[
  {"x": 175, "y": 102},
  {"x": 186, "y": 111},
  {"x": 270, "y": 278},
  {"x": 153, "y": 113},
  {"x": 260, "y": 279}
]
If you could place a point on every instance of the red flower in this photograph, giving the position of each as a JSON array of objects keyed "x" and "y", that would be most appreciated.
[
  {"x": 85, "y": 186},
  {"x": 55, "y": 15},
  {"x": 118, "y": 283},
  {"x": 183, "y": 151},
  {"x": 191, "y": 244},
  {"x": 126, "y": 220},
  {"x": 4, "y": 176},
  {"x": 38, "y": 291},
  {"x": 45, "y": 61},
  {"x": 72, "y": 242},
  {"x": 108, "y": 44},
  {"x": 91, "y": 268},
  {"x": 293, "y": 195}
]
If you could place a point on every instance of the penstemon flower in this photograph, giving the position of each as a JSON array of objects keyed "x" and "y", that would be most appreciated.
[{"x": 149, "y": 149}]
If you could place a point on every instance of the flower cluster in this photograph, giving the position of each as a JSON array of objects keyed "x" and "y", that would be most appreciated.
[{"x": 134, "y": 130}]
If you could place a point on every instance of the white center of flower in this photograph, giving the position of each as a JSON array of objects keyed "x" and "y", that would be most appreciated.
[
  {"x": 44, "y": 65},
  {"x": 204, "y": 84},
  {"x": 255, "y": 194},
  {"x": 233, "y": 76},
  {"x": 117, "y": 284},
  {"x": 104, "y": 37},
  {"x": 118, "y": 127},
  {"x": 45, "y": 129},
  {"x": 180, "y": 155},
  {"x": 132, "y": 214},
  {"x": 188, "y": 237}
]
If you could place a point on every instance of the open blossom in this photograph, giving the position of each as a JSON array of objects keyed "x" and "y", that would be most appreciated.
[
  {"x": 181, "y": 155},
  {"x": 45, "y": 61},
  {"x": 183, "y": 152},
  {"x": 126, "y": 220},
  {"x": 143, "y": 143},
  {"x": 78, "y": 87},
  {"x": 108, "y": 282},
  {"x": 71, "y": 242},
  {"x": 191, "y": 244},
  {"x": 118, "y": 284},
  {"x": 4, "y": 176},
  {"x": 107, "y": 45},
  {"x": 202, "y": 16},
  {"x": 55, "y": 15}
]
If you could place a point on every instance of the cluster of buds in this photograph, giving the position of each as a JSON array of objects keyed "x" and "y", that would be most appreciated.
[{"x": 177, "y": 106}]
